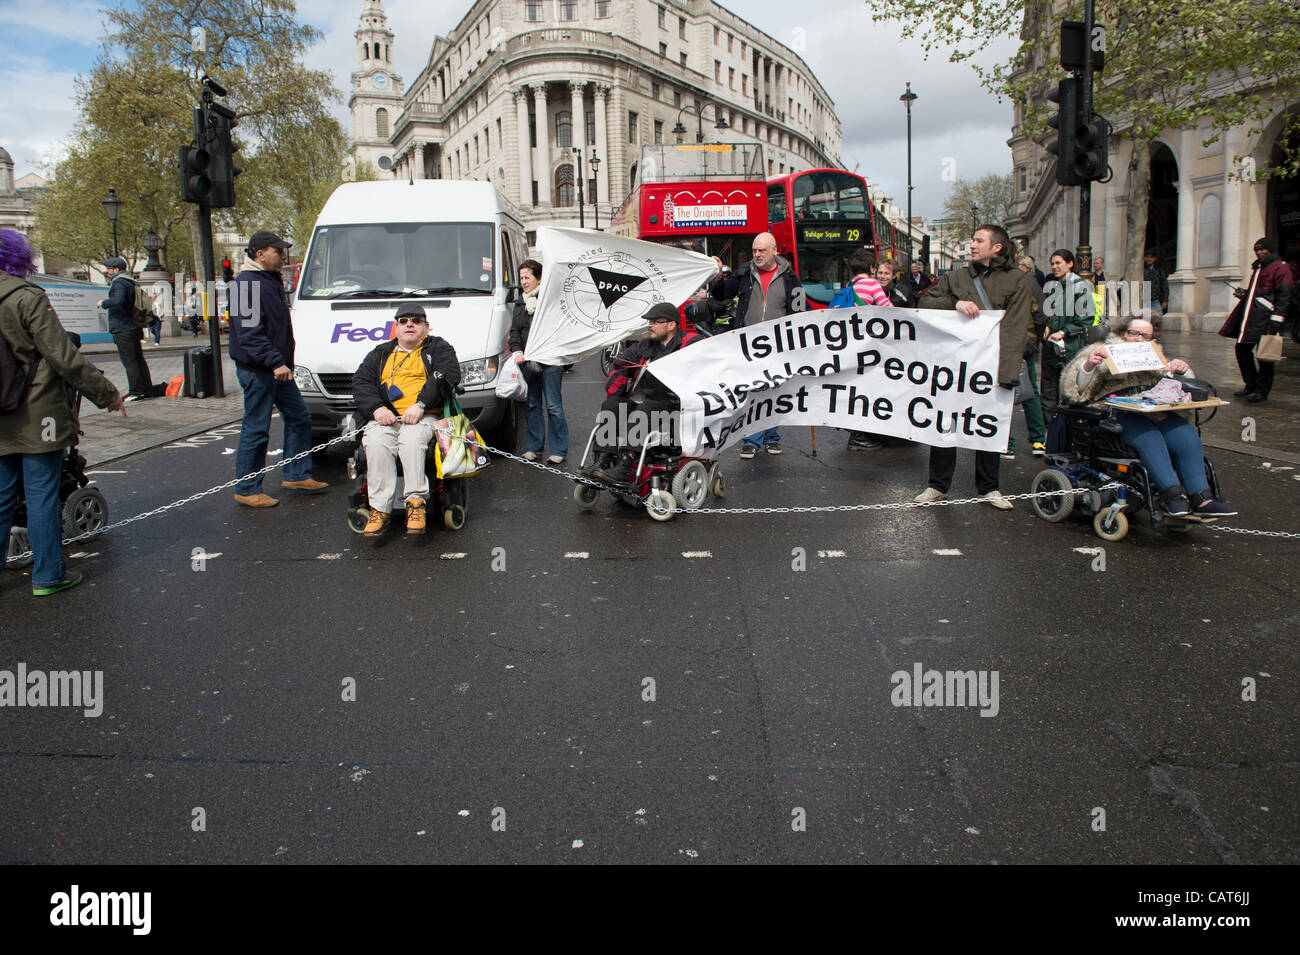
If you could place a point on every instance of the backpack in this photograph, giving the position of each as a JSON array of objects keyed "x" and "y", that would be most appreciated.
[
  {"x": 15, "y": 380},
  {"x": 141, "y": 304}
]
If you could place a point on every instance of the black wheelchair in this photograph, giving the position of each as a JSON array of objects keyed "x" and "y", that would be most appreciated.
[{"x": 1086, "y": 453}]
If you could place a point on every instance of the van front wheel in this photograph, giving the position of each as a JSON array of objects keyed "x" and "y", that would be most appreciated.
[{"x": 504, "y": 436}]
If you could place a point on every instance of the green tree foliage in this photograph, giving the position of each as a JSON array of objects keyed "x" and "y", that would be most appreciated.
[
  {"x": 994, "y": 197},
  {"x": 1169, "y": 65},
  {"x": 136, "y": 111}
]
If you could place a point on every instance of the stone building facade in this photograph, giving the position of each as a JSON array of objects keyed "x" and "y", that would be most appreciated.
[{"x": 519, "y": 85}]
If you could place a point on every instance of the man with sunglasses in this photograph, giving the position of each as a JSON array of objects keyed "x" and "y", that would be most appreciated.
[
  {"x": 399, "y": 389},
  {"x": 261, "y": 346}
]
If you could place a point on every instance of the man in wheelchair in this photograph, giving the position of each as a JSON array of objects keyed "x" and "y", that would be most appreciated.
[
  {"x": 398, "y": 388},
  {"x": 631, "y": 390},
  {"x": 1168, "y": 445}
]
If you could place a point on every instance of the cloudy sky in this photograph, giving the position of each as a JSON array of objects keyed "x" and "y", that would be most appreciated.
[{"x": 45, "y": 44}]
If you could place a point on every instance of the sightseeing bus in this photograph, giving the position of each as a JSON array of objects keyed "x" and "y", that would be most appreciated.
[
  {"x": 707, "y": 197},
  {"x": 820, "y": 217}
]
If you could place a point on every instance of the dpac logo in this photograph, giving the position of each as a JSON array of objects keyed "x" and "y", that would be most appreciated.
[
  {"x": 601, "y": 289},
  {"x": 613, "y": 285}
]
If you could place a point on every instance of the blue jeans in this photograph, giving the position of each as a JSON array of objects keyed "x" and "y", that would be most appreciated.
[
  {"x": 760, "y": 438},
  {"x": 547, "y": 387},
  {"x": 261, "y": 391},
  {"x": 1170, "y": 449},
  {"x": 39, "y": 477}
]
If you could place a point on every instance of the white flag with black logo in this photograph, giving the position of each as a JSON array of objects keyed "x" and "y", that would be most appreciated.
[{"x": 596, "y": 287}]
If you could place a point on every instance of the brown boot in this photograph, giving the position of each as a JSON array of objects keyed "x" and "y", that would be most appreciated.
[
  {"x": 306, "y": 484},
  {"x": 415, "y": 515},
  {"x": 377, "y": 524},
  {"x": 256, "y": 500}
]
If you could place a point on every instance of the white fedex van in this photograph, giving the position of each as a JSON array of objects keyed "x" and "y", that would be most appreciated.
[{"x": 452, "y": 246}]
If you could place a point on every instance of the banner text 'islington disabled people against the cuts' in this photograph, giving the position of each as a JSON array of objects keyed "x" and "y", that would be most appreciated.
[{"x": 928, "y": 376}]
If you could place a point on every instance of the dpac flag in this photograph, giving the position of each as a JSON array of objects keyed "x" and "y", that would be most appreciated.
[{"x": 596, "y": 287}]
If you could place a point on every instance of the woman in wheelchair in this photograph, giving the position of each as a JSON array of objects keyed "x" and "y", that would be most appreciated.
[{"x": 1168, "y": 445}]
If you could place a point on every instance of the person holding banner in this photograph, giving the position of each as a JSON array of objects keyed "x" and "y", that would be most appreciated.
[
  {"x": 991, "y": 282},
  {"x": 765, "y": 287},
  {"x": 545, "y": 403},
  {"x": 632, "y": 391},
  {"x": 1168, "y": 445}
]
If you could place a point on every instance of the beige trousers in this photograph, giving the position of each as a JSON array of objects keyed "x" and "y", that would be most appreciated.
[{"x": 384, "y": 444}]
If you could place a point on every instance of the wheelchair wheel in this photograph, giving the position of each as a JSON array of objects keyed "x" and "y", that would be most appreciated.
[
  {"x": 585, "y": 496},
  {"x": 18, "y": 543},
  {"x": 1052, "y": 509},
  {"x": 85, "y": 512},
  {"x": 1115, "y": 530},
  {"x": 717, "y": 484},
  {"x": 453, "y": 518},
  {"x": 660, "y": 505},
  {"x": 357, "y": 519},
  {"x": 691, "y": 485}
]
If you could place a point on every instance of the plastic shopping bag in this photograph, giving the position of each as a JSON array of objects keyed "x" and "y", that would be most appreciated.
[
  {"x": 511, "y": 385},
  {"x": 460, "y": 451}
]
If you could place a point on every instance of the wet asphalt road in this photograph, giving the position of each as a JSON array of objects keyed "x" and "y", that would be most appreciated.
[{"x": 517, "y": 696}]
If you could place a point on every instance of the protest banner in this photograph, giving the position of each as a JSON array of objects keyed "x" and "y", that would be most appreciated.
[
  {"x": 596, "y": 287},
  {"x": 925, "y": 375}
]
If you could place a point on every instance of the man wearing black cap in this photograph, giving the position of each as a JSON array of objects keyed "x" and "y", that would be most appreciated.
[
  {"x": 261, "y": 345},
  {"x": 633, "y": 391},
  {"x": 399, "y": 389},
  {"x": 127, "y": 335},
  {"x": 1269, "y": 293}
]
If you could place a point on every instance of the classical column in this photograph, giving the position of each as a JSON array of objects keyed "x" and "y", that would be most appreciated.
[
  {"x": 520, "y": 95},
  {"x": 543, "y": 146},
  {"x": 1234, "y": 190},
  {"x": 417, "y": 161},
  {"x": 579, "y": 116},
  {"x": 1182, "y": 284},
  {"x": 602, "y": 147}
]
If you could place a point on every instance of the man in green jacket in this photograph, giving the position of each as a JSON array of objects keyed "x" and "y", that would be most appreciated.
[
  {"x": 993, "y": 263},
  {"x": 33, "y": 435}
]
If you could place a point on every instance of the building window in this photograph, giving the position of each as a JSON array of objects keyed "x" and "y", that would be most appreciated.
[
  {"x": 631, "y": 126},
  {"x": 564, "y": 185},
  {"x": 681, "y": 27},
  {"x": 731, "y": 77},
  {"x": 663, "y": 49},
  {"x": 532, "y": 130},
  {"x": 381, "y": 123},
  {"x": 677, "y": 98},
  {"x": 531, "y": 241},
  {"x": 602, "y": 9},
  {"x": 654, "y": 91},
  {"x": 731, "y": 43},
  {"x": 1022, "y": 178},
  {"x": 659, "y": 130},
  {"x": 591, "y": 127},
  {"x": 533, "y": 11},
  {"x": 568, "y": 10},
  {"x": 744, "y": 83},
  {"x": 717, "y": 71},
  {"x": 682, "y": 59},
  {"x": 663, "y": 19},
  {"x": 564, "y": 129},
  {"x": 717, "y": 35}
]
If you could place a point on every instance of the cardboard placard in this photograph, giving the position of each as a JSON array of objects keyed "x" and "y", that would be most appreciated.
[{"x": 1124, "y": 358}]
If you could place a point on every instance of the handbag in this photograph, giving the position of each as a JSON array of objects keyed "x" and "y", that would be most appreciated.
[
  {"x": 1025, "y": 386},
  {"x": 460, "y": 451},
  {"x": 1269, "y": 348},
  {"x": 511, "y": 384}
]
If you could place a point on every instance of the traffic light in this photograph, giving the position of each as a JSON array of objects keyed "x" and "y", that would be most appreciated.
[
  {"x": 196, "y": 184},
  {"x": 1091, "y": 143},
  {"x": 227, "y": 272},
  {"x": 1066, "y": 122},
  {"x": 222, "y": 148}
]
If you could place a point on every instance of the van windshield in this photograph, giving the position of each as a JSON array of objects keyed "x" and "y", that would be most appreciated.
[{"x": 398, "y": 258}]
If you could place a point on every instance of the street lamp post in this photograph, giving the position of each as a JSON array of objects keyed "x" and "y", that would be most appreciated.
[
  {"x": 595, "y": 178},
  {"x": 679, "y": 130},
  {"x": 152, "y": 243},
  {"x": 577, "y": 153},
  {"x": 974, "y": 218},
  {"x": 908, "y": 98},
  {"x": 112, "y": 208}
]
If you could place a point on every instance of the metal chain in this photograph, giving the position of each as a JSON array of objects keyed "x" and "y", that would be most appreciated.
[{"x": 583, "y": 479}]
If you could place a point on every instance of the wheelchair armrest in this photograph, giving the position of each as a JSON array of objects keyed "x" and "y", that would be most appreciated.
[{"x": 1081, "y": 413}]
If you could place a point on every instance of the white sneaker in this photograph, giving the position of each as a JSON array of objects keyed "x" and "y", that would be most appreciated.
[
  {"x": 929, "y": 496},
  {"x": 997, "y": 500},
  {"x": 530, "y": 455}
]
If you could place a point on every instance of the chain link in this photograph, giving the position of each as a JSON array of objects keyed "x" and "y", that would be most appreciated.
[{"x": 583, "y": 479}]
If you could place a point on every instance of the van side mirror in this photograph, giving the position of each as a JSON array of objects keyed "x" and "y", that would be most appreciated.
[{"x": 514, "y": 293}]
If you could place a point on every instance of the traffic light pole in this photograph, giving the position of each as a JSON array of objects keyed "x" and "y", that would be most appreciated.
[
  {"x": 209, "y": 301},
  {"x": 1083, "y": 254}
]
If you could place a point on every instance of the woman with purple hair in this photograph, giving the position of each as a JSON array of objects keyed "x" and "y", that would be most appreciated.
[{"x": 37, "y": 362}]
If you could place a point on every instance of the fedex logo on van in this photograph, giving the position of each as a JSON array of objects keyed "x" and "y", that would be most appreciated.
[{"x": 354, "y": 334}]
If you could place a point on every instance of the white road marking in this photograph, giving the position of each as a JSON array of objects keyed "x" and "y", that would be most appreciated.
[
  {"x": 946, "y": 552},
  {"x": 82, "y": 553},
  {"x": 831, "y": 553},
  {"x": 1087, "y": 550},
  {"x": 329, "y": 556},
  {"x": 89, "y": 473},
  {"x": 452, "y": 556},
  {"x": 697, "y": 553},
  {"x": 576, "y": 554}
]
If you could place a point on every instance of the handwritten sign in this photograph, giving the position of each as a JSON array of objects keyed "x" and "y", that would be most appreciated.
[{"x": 1124, "y": 358}]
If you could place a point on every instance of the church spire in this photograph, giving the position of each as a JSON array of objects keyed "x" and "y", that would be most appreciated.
[{"x": 374, "y": 39}]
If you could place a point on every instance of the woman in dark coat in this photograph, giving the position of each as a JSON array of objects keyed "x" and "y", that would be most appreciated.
[
  {"x": 1269, "y": 295},
  {"x": 545, "y": 404}
]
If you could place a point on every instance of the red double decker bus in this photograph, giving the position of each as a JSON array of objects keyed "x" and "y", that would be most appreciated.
[
  {"x": 820, "y": 217},
  {"x": 707, "y": 197}
]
